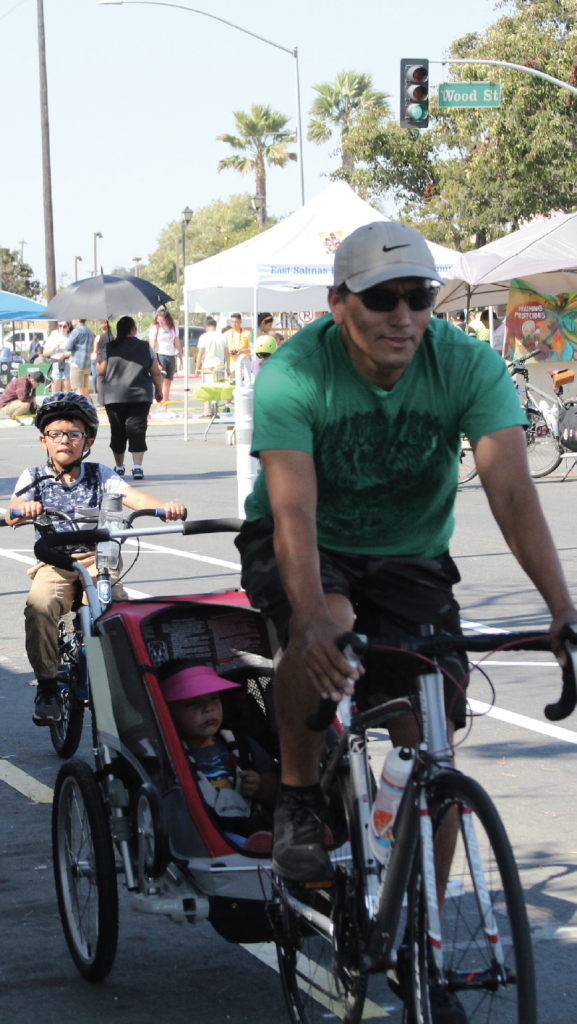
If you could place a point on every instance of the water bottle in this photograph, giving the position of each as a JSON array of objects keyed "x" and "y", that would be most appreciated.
[
  {"x": 110, "y": 518},
  {"x": 546, "y": 412},
  {"x": 396, "y": 770}
]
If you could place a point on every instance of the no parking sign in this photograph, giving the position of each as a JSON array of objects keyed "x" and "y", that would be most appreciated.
[{"x": 306, "y": 316}]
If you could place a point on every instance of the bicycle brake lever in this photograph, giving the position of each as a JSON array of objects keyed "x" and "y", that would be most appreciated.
[{"x": 568, "y": 699}]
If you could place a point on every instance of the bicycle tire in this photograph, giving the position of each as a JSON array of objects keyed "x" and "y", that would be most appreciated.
[
  {"x": 543, "y": 452},
  {"x": 318, "y": 974},
  {"x": 470, "y": 965},
  {"x": 67, "y": 733},
  {"x": 84, "y": 870},
  {"x": 467, "y": 466}
]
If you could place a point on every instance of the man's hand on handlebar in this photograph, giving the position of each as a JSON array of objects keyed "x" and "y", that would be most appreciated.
[
  {"x": 558, "y": 623},
  {"x": 314, "y": 643}
]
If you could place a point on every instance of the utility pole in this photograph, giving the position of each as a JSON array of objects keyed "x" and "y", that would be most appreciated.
[
  {"x": 46, "y": 174},
  {"x": 21, "y": 243}
]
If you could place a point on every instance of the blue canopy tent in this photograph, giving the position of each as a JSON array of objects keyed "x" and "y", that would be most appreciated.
[{"x": 17, "y": 307}]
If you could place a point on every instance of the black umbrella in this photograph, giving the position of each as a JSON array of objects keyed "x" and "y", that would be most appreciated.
[{"x": 104, "y": 298}]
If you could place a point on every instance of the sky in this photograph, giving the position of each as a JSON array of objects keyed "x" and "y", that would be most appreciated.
[{"x": 138, "y": 94}]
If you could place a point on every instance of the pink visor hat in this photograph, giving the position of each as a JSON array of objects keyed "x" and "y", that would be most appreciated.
[{"x": 194, "y": 682}]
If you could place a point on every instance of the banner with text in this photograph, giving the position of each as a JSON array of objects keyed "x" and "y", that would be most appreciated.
[{"x": 539, "y": 321}]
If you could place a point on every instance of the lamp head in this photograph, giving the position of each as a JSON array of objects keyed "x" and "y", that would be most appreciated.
[
  {"x": 187, "y": 214},
  {"x": 257, "y": 202}
]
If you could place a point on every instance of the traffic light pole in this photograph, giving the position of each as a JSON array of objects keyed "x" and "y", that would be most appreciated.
[{"x": 515, "y": 67}]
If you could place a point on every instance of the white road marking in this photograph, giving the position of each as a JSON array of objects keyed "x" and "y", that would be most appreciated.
[
  {"x": 532, "y": 724},
  {"x": 25, "y": 784},
  {"x": 266, "y": 953},
  {"x": 184, "y": 554}
]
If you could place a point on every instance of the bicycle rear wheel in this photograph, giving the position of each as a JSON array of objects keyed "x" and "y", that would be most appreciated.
[
  {"x": 322, "y": 975},
  {"x": 486, "y": 944},
  {"x": 467, "y": 467},
  {"x": 543, "y": 449}
]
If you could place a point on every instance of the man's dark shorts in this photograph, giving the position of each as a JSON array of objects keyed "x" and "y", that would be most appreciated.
[
  {"x": 391, "y": 597},
  {"x": 168, "y": 366}
]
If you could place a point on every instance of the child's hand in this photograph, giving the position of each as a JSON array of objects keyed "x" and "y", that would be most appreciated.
[
  {"x": 249, "y": 784},
  {"x": 174, "y": 510},
  {"x": 30, "y": 510}
]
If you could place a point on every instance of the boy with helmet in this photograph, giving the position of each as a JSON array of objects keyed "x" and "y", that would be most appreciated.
[
  {"x": 265, "y": 346},
  {"x": 68, "y": 426}
]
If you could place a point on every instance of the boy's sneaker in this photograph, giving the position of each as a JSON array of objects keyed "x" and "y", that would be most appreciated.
[
  {"x": 119, "y": 470},
  {"x": 137, "y": 473},
  {"x": 299, "y": 852},
  {"x": 46, "y": 707}
]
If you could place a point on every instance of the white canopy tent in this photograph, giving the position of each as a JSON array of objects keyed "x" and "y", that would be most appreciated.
[
  {"x": 544, "y": 254},
  {"x": 290, "y": 266}
]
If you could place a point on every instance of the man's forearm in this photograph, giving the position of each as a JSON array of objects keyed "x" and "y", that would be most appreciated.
[
  {"x": 295, "y": 544},
  {"x": 525, "y": 529}
]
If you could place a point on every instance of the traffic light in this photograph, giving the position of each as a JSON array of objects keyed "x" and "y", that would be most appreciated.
[{"x": 414, "y": 93}]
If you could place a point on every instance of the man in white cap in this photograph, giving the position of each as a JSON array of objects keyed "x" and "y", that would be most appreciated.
[{"x": 358, "y": 424}]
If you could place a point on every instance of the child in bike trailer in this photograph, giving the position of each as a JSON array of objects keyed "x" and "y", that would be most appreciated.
[
  {"x": 68, "y": 426},
  {"x": 236, "y": 777}
]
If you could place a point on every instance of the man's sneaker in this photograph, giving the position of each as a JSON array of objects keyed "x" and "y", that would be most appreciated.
[
  {"x": 299, "y": 852},
  {"x": 46, "y": 708},
  {"x": 446, "y": 1008},
  {"x": 137, "y": 473},
  {"x": 119, "y": 470}
]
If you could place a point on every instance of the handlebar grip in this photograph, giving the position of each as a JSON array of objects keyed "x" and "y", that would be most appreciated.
[
  {"x": 45, "y": 553},
  {"x": 16, "y": 513},
  {"x": 568, "y": 699},
  {"x": 212, "y": 526},
  {"x": 159, "y": 513},
  {"x": 353, "y": 646}
]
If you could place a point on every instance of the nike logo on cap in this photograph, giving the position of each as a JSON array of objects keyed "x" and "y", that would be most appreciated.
[{"x": 389, "y": 248}]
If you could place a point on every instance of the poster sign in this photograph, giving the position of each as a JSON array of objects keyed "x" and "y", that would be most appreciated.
[{"x": 539, "y": 321}]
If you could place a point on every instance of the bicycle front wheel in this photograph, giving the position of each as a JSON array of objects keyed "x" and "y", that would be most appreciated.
[
  {"x": 543, "y": 449},
  {"x": 322, "y": 975},
  {"x": 486, "y": 945}
]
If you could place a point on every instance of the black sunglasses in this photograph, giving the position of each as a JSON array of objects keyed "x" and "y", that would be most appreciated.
[{"x": 384, "y": 300}]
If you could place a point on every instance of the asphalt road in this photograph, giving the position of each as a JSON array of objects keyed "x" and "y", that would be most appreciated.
[{"x": 164, "y": 972}]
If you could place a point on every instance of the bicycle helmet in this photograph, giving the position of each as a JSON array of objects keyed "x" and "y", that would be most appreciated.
[
  {"x": 67, "y": 405},
  {"x": 266, "y": 345}
]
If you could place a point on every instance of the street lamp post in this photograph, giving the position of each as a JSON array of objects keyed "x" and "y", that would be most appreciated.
[
  {"x": 137, "y": 261},
  {"x": 96, "y": 235},
  {"x": 186, "y": 219},
  {"x": 77, "y": 260},
  {"x": 257, "y": 203},
  {"x": 293, "y": 52},
  {"x": 46, "y": 172}
]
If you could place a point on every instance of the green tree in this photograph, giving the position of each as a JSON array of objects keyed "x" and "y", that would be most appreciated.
[
  {"x": 337, "y": 104},
  {"x": 482, "y": 173},
  {"x": 17, "y": 276},
  {"x": 262, "y": 139},
  {"x": 213, "y": 228}
]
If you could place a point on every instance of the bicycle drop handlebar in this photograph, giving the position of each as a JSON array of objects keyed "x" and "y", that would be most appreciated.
[
  {"x": 44, "y": 549},
  {"x": 434, "y": 646}
]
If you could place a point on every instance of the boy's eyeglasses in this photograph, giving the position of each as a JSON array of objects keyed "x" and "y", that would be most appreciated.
[
  {"x": 385, "y": 300},
  {"x": 57, "y": 435}
]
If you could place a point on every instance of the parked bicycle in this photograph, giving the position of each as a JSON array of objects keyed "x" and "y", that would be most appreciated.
[
  {"x": 462, "y": 937},
  {"x": 548, "y": 442}
]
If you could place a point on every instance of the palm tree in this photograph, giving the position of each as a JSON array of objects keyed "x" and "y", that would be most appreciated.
[
  {"x": 261, "y": 140},
  {"x": 336, "y": 104}
]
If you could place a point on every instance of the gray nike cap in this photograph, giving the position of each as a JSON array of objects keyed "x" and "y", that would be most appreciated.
[{"x": 383, "y": 251}]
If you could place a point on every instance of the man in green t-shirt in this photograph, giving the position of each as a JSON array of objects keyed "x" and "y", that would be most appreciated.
[{"x": 358, "y": 424}]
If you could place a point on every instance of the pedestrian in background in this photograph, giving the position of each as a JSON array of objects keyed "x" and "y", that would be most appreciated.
[
  {"x": 80, "y": 343},
  {"x": 19, "y": 396},
  {"x": 59, "y": 372},
  {"x": 265, "y": 322},
  {"x": 212, "y": 349},
  {"x": 164, "y": 340},
  {"x": 458, "y": 319},
  {"x": 98, "y": 353},
  {"x": 238, "y": 340},
  {"x": 131, "y": 374}
]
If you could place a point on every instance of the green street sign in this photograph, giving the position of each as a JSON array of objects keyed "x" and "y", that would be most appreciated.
[{"x": 469, "y": 94}]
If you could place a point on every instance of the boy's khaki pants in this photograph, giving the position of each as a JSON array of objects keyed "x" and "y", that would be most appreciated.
[{"x": 51, "y": 596}]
